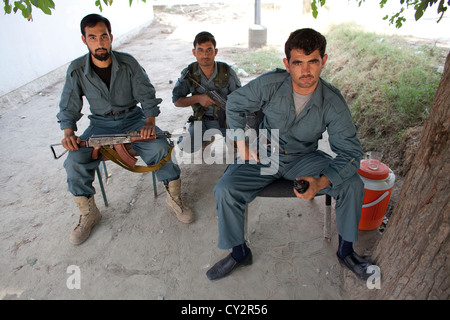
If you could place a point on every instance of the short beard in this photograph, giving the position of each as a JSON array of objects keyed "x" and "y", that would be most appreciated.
[{"x": 102, "y": 57}]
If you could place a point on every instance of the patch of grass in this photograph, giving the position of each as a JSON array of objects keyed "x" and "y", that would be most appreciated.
[
  {"x": 388, "y": 83},
  {"x": 259, "y": 61}
]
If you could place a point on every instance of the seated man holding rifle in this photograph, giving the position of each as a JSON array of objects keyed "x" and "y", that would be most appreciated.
[
  {"x": 113, "y": 83},
  {"x": 204, "y": 85}
]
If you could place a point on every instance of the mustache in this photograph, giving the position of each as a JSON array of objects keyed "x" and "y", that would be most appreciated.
[{"x": 101, "y": 49}]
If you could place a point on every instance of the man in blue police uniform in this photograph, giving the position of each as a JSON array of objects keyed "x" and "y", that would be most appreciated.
[
  {"x": 113, "y": 83},
  {"x": 301, "y": 105},
  {"x": 211, "y": 75}
]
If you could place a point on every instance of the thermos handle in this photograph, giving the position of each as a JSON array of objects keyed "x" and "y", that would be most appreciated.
[{"x": 384, "y": 195}]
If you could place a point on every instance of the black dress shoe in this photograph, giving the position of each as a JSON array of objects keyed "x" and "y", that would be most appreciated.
[
  {"x": 357, "y": 265},
  {"x": 225, "y": 266}
]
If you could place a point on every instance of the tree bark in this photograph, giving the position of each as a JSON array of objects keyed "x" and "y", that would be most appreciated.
[{"x": 413, "y": 252}]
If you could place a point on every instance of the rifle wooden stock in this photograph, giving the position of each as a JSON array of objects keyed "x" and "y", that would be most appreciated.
[{"x": 118, "y": 141}]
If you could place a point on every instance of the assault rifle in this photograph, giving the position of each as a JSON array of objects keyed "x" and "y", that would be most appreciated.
[
  {"x": 219, "y": 101},
  {"x": 117, "y": 141}
]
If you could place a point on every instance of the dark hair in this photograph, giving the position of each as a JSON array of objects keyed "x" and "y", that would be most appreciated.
[
  {"x": 91, "y": 20},
  {"x": 203, "y": 37},
  {"x": 307, "y": 40}
]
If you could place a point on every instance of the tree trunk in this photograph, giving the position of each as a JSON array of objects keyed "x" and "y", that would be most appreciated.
[{"x": 413, "y": 252}]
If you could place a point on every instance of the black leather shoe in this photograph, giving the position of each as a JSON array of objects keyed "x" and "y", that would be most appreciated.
[
  {"x": 225, "y": 266},
  {"x": 357, "y": 265}
]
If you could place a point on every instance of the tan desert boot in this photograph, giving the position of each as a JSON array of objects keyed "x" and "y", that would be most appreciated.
[
  {"x": 184, "y": 213},
  {"x": 90, "y": 216}
]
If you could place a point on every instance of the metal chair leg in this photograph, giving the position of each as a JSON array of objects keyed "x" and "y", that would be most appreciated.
[
  {"x": 246, "y": 233},
  {"x": 105, "y": 170},
  {"x": 103, "y": 165},
  {"x": 100, "y": 181},
  {"x": 327, "y": 218},
  {"x": 154, "y": 184}
]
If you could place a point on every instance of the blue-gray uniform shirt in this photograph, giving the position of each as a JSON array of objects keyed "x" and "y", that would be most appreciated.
[
  {"x": 129, "y": 86},
  {"x": 326, "y": 110},
  {"x": 183, "y": 88}
]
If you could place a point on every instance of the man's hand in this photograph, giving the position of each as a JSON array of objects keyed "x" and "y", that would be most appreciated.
[
  {"x": 203, "y": 99},
  {"x": 148, "y": 129},
  {"x": 70, "y": 140},
  {"x": 315, "y": 185},
  {"x": 246, "y": 153}
]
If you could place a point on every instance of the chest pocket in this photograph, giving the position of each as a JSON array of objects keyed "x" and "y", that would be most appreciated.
[
  {"x": 277, "y": 115},
  {"x": 308, "y": 128},
  {"x": 121, "y": 90}
]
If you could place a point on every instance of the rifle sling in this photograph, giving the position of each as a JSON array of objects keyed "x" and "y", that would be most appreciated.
[
  {"x": 124, "y": 155},
  {"x": 112, "y": 155}
]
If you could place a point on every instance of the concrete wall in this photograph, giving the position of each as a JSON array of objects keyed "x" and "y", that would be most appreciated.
[{"x": 32, "y": 50}]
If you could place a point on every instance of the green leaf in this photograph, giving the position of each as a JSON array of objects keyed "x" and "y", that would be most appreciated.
[
  {"x": 314, "y": 9},
  {"x": 18, "y": 5},
  {"x": 44, "y": 5},
  {"x": 418, "y": 14},
  {"x": 99, "y": 5},
  {"x": 399, "y": 22},
  {"x": 28, "y": 9},
  {"x": 7, "y": 6}
]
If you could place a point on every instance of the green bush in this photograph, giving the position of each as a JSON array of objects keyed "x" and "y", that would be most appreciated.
[{"x": 388, "y": 83}]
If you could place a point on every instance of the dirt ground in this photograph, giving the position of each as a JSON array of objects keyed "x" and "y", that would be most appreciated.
[{"x": 140, "y": 250}]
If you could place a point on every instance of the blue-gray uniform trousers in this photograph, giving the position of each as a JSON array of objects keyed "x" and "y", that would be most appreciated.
[
  {"x": 241, "y": 183},
  {"x": 195, "y": 142},
  {"x": 80, "y": 167}
]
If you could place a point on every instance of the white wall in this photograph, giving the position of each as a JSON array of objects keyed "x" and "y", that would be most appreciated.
[{"x": 30, "y": 50}]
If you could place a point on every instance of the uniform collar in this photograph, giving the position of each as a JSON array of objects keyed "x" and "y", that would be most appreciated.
[
  {"x": 316, "y": 98},
  {"x": 88, "y": 68},
  {"x": 200, "y": 72}
]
